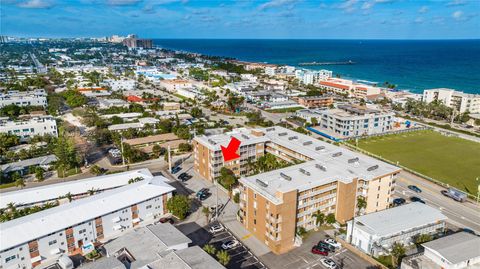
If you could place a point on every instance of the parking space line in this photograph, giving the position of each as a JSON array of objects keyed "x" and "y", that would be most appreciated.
[{"x": 246, "y": 236}]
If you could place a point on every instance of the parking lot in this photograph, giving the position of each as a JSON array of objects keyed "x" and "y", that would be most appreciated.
[{"x": 302, "y": 257}]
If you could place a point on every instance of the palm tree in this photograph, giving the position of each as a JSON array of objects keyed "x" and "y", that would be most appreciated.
[
  {"x": 319, "y": 218},
  {"x": 20, "y": 183},
  {"x": 398, "y": 251},
  {"x": 206, "y": 211},
  {"x": 92, "y": 191},
  {"x": 11, "y": 207},
  {"x": 223, "y": 257},
  {"x": 361, "y": 203},
  {"x": 210, "y": 249},
  {"x": 69, "y": 196}
]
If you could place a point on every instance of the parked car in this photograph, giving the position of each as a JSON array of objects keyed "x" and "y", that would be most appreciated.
[
  {"x": 204, "y": 196},
  {"x": 216, "y": 228},
  {"x": 326, "y": 246},
  {"x": 319, "y": 250},
  {"x": 332, "y": 242},
  {"x": 414, "y": 188},
  {"x": 165, "y": 220},
  {"x": 176, "y": 169},
  {"x": 398, "y": 201},
  {"x": 329, "y": 263},
  {"x": 201, "y": 192},
  {"x": 184, "y": 177},
  {"x": 416, "y": 199},
  {"x": 445, "y": 193},
  {"x": 230, "y": 244}
]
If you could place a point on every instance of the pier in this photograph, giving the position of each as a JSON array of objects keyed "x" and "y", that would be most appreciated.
[{"x": 326, "y": 63}]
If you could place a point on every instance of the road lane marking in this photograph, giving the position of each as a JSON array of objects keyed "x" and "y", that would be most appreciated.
[{"x": 246, "y": 236}]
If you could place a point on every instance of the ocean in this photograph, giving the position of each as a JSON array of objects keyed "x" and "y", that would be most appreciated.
[{"x": 412, "y": 65}]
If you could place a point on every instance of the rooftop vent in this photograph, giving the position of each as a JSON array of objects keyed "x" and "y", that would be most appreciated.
[
  {"x": 293, "y": 137},
  {"x": 245, "y": 136},
  {"x": 270, "y": 129},
  {"x": 371, "y": 168},
  {"x": 261, "y": 183},
  {"x": 282, "y": 134},
  {"x": 319, "y": 148},
  {"x": 307, "y": 143},
  {"x": 303, "y": 171},
  {"x": 286, "y": 177},
  {"x": 354, "y": 160},
  {"x": 337, "y": 154},
  {"x": 321, "y": 167},
  {"x": 211, "y": 142}
]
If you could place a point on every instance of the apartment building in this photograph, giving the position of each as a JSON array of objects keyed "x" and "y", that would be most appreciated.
[
  {"x": 347, "y": 121},
  {"x": 29, "y": 127},
  {"x": 173, "y": 85},
  {"x": 208, "y": 154},
  {"x": 73, "y": 228},
  {"x": 36, "y": 97},
  {"x": 121, "y": 84},
  {"x": 309, "y": 77},
  {"x": 349, "y": 88},
  {"x": 315, "y": 101},
  {"x": 375, "y": 233},
  {"x": 330, "y": 179},
  {"x": 460, "y": 101}
]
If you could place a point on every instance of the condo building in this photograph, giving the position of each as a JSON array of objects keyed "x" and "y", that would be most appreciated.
[
  {"x": 26, "y": 128},
  {"x": 273, "y": 205},
  {"x": 315, "y": 101},
  {"x": 29, "y": 98},
  {"x": 349, "y": 88},
  {"x": 73, "y": 228},
  {"x": 348, "y": 121},
  {"x": 460, "y": 101}
]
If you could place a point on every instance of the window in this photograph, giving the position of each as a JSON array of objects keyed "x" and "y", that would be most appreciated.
[
  {"x": 149, "y": 206},
  {"x": 10, "y": 258},
  {"x": 52, "y": 242},
  {"x": 82, "y": 231}
]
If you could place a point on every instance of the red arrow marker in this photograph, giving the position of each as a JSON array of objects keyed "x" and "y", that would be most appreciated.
[{"x": 230, "y": 152}]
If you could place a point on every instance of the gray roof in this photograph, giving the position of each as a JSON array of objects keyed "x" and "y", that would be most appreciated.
[
  {"x": 189, "y": 258},
  {"x": 106, "y": 262},
  {"x": 457, "y": 247},
  {"x": 146, "y": 244},
  {"x": 401, "y": 218},
  {"x": 20, "y": 165}
]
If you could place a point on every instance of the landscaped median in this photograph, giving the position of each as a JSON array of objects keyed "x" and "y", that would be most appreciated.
[{"x": 448, "y": 160}]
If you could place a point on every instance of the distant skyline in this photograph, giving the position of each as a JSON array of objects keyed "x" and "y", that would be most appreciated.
[{"x": 274, "y": 19}]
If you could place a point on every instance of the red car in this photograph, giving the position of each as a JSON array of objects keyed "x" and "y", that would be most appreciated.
[{"x": 319, "y": 250}]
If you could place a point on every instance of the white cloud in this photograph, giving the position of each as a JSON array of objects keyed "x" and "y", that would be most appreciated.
[
  {"x": 275, "y": 3},
  {"x": 457, "y": 15},
  {"x": 36, "y": 4},
  {"x": 349, "y": 5},
  {"x": 423, "y": 9}
]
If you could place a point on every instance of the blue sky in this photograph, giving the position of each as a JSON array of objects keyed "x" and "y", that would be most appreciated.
[{"x": 357, "y": 19}]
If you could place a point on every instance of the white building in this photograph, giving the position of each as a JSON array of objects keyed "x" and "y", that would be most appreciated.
[
  {"x": 308, "y": 77},
  {"x": 375, "y": 233},
  {"x": 271, "y": 70},
  {"x": 36, "y": 97},
  {"x": 30, "y": 127},
  {"x": 122, "y": 84},
  {"x": 456, "y": 251},
  {"x": 349, "y": 120},
  {"x": 173, "y": 85},
  {"x": 349, "y": 88},
  {"x": 460, "y": 101},
  {"x": 77, "y": 188},
  {"x": 108, "y": 103},
  {"x": 72, "y": 228}
]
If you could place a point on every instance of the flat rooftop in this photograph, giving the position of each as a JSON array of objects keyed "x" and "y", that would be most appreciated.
[
  {"x": 52, "y": 192},
  {"x": 326, "y": 163},
  {"x": 457, "y": 247},
  {"x": 397, "y": 219},
  {"x": 243, "y": 134},
  {"x": 30, "y": 227},
  {"x": 188, "y": 258}
]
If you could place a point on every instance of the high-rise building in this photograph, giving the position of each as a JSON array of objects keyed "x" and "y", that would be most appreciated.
[
  {"x": 133, "y": 42},
  {"x": 460, "y": 101}
]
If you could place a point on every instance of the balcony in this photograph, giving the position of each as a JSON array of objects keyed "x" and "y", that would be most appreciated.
[
  {"x": 273, "y": 219},
  {"x": 301, "y": 197}
]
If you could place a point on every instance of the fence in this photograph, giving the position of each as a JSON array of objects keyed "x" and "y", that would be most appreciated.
[{"x": 404, "y": 168}]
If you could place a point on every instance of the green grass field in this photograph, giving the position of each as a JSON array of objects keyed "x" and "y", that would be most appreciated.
[{"x": 454, "y": 161}]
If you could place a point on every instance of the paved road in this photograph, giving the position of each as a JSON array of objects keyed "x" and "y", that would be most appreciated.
[{"x": 462, "y": 215}]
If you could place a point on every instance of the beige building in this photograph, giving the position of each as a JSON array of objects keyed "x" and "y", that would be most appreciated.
[{"x": 275, "y": 204}]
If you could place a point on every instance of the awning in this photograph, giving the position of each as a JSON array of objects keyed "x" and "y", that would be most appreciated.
[
  {"x": 55, "y": 251},
  {"x": 136, "y": 220},
  {"x": 117, "y": 227},
  {"x": 117, "y": 219},
  {"x": 36, "y": 259}
]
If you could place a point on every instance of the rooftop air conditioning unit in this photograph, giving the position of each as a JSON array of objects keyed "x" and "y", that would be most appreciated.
[{"x": 305, "y": 172}]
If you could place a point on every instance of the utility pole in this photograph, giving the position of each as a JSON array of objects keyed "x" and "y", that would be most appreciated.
[
  {"x": 121, "y": 146},
  {"x": 169, "y": 160}
]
